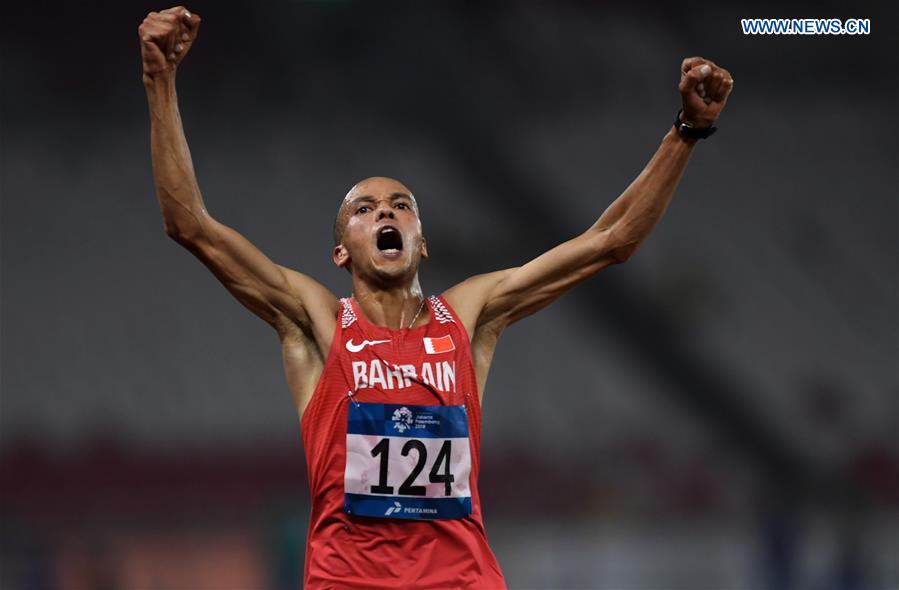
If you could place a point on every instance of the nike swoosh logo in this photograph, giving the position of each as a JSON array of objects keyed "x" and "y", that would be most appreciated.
[{"x": 357, "y": 347}]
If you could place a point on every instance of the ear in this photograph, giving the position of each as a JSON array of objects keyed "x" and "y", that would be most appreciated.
[
  {"x": 340, "y": 256},
  {"x": 424, "y": 248}
]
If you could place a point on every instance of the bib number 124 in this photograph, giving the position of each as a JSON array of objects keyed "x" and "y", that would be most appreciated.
[
  {"x": 439, "y": 473},
  {"x": 407, "y": 462}
]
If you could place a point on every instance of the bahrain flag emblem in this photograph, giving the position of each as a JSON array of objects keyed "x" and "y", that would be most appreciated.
[{"x": 439, "y": 345}]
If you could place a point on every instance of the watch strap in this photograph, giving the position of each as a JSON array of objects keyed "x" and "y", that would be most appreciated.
[{"x": 690, "y": 132}]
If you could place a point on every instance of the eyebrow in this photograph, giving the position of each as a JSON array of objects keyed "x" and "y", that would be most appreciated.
[
  {"x": 361, "y": 199},
  {"x": 370, "y": 199}
]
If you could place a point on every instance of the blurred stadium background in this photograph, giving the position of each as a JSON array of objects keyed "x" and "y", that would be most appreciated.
[{"x": 720, "y": 412}]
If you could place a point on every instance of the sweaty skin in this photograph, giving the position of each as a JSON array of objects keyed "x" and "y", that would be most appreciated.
[{"x": 385, "y": 284}]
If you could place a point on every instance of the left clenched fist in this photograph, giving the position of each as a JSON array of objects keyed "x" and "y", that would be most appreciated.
[{"x": 704, "y": 88}]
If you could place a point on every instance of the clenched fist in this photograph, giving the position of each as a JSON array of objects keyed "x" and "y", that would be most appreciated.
[
  {"x": 165, "y": 38},
  {"x": 704, "y": 88}
]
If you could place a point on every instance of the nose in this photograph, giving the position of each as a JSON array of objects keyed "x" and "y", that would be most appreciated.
[{"x": 384, "y": 211}]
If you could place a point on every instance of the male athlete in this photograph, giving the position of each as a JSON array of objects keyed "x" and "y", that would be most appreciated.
[{"x": 388, "y": 382}]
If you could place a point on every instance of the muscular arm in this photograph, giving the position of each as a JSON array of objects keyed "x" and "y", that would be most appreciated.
[
  {"x": 488, "y": 303},
  {"x": 280, "y": 296}
]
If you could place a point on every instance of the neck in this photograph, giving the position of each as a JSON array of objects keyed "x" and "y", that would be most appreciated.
[{"x": 390, "y": 307}]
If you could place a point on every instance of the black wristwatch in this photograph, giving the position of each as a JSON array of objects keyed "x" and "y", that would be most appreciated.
[{"x": 685, "y": 130}]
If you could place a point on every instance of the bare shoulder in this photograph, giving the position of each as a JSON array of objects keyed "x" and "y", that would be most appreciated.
[
  {"x": 469, "y": 300},
  {"x": 306, "y": 341},
  {"x": 320, "y": 308},
  {"x": 469, "y": 297}
]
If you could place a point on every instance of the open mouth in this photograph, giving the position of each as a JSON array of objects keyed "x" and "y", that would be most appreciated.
[{"x": 389, "y": 240}]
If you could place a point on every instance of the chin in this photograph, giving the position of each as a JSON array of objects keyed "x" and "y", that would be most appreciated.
[
  {"x": 394, "y": 270},
  {"x": 392, "y": 273}
]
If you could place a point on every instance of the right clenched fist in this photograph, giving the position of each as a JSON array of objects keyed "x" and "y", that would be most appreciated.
[{"x": 165, "y": 38}]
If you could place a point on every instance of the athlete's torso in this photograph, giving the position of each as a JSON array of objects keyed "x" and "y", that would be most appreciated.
[{"x": 368, "y": 366}]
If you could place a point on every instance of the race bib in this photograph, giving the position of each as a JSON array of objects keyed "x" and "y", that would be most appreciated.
[{"x": 406, "y": 461}]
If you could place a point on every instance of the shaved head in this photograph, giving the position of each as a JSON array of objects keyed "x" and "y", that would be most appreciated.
[{"x": 372, "y": 186}]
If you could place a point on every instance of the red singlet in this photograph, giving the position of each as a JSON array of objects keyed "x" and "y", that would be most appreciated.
[{"x": 429, "y": 365}]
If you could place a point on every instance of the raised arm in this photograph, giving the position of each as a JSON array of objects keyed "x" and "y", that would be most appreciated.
[
  {"x": 500, "y": 298},
  {"x": 282, "y": 297}
]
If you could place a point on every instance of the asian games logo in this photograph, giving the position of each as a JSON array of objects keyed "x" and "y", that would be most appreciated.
[{"x": 402, "y": 419}]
